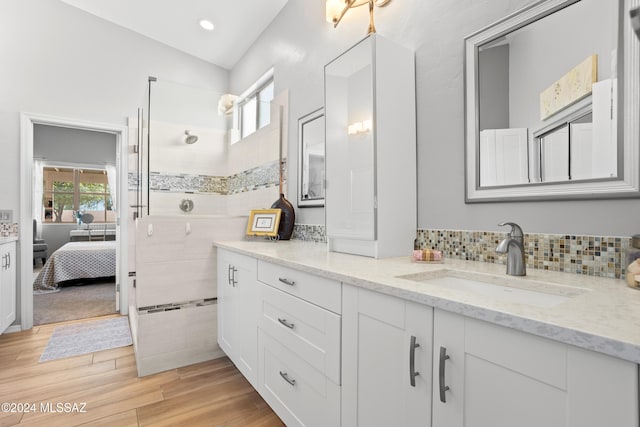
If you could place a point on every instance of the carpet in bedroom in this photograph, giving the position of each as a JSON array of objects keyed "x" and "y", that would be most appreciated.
[{"x": 75, "y": 302}]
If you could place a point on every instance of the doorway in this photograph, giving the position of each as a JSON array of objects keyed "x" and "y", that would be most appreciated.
[{"x": 31, "y": 125}]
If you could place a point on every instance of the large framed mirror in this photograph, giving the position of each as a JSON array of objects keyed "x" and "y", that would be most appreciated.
[
  {"x": 552, "y": 104},
  {"x": 311, "y": 161}
]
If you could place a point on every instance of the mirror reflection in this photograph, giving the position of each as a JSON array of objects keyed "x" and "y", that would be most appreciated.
[
  {"x": 311, "y": 166},
  {"x": 547, "y": 98}
]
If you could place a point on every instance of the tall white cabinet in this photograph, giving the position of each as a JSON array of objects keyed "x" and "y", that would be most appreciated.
[
  {"x": 7, "y": 284},
  {"x": 370, "y": 203}
]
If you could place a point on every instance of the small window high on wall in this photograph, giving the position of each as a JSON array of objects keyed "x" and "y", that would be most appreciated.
[
  {"x": 254, "y": 106},
  {"x": 67, "y": 191}
]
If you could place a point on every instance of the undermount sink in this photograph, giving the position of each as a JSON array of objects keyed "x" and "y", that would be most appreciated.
[{"x": 505, "y": 289}]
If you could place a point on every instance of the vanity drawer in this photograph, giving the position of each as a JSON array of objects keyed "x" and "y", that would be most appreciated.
[
  {"x": 309, "y": 331},
  {"x": 320, "y": 291},
  {"x": 298, "y": 393}
]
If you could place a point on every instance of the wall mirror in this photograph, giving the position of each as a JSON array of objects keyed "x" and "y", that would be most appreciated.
[
  {"x": 552, "y": 103},
  {"x": 311, "y": 162}
]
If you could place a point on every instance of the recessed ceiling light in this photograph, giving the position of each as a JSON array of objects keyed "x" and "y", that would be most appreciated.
[{"x": 207, "y": 25}]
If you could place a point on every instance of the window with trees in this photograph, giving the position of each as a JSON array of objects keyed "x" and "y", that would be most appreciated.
[{"x": 69, "y": 191}]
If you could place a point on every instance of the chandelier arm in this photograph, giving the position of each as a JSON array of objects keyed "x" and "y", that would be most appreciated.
[{"x": 347, "y": 6}]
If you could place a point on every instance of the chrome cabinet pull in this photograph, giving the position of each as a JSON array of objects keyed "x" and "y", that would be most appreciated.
[
  {"x": 412, "y": 361},
  {"x": 231, "y": 274},
  {"x": 443, "y": 356},
  {"x": 285, "y": 376},
  {"x": 8, "y": 260},
  {"x": 285, "y": 323},
  {"x": 286, "y": 281}
]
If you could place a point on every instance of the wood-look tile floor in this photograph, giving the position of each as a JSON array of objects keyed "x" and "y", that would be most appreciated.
[{"x": 103, "y": 389}]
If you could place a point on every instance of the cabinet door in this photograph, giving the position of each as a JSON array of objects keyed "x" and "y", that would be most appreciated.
[
  {"x": 378, "y": 333},
  {"x": 350, "y": 142},
  {"x": 8, "y": 286},
  {"x": 237, "y": 311},
  {"x": 226, "y": 301},
  {"x": 488, "y": 375}
]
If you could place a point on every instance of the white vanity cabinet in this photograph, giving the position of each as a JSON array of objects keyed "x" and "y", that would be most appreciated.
[
  {"x": 370, "y": 202},
  {"x": 489, "y": 375},
  {"x": 7, "y": 285},
  {"x": 299, "y": 345},
  {"x": 386, "y": 359},
  {"x": 237, "y": 311}
]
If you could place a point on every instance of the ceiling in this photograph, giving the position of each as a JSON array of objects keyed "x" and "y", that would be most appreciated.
[{"x": 238, "y": 23}]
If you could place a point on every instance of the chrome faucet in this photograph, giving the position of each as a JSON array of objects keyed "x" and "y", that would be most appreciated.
[{"x": 513, "y": 246}]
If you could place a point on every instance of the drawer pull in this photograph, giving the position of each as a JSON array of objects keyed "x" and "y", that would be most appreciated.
[
  {"x": 229, "y": 275},
  {"x": 286, "y": 281},
  {"x": 412, "y": 361},
  {"x": 443, "y": 356},
  {"x": 285, "y": 323},
  {"x": 285, "y": 376}
]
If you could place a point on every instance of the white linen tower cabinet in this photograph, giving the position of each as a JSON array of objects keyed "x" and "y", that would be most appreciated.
[{"x": 370, "y": 203}]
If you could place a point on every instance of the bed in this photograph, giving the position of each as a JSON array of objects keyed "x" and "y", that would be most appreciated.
[{"x": 77, "y": 260}]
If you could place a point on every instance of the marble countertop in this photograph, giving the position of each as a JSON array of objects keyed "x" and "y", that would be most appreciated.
[
  {"x": 8, "y": 239},
  {"x": 600, "y": 314}
]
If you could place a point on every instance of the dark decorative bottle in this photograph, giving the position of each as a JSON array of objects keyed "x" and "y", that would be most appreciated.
[{"x": 287, "y": 217}]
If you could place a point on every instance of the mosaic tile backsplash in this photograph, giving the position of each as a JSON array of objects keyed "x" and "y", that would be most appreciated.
[
  {"x": 309, "y": 233},
  {"x": 588, "y": 255}
]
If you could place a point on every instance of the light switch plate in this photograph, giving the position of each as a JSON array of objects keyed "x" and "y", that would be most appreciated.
[{"x": 6, "y": 215}]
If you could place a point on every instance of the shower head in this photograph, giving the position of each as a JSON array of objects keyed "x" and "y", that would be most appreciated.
[{"x": 190, "y": 139}]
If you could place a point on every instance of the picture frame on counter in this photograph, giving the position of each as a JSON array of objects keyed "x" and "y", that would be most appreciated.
[{"x": 263, "y": 222}]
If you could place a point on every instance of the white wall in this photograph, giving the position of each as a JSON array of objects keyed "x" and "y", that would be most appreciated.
[{"x": 300, "y": 42}]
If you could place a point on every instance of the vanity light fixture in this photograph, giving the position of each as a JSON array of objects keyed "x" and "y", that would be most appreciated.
[
  {"x": 360, "y": 127},
  {"x": 207, "y": 25},
  {"x": 336, "y": 9}
]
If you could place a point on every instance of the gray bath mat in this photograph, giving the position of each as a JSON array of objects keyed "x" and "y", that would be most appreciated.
[{"x": 87, "y": 337}]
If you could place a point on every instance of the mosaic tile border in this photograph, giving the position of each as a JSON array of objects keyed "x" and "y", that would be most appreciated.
[
  {"x": 589, "y": 255},
  {"x": 185, "y": 183},
  {"x": 151, "y": 309},
  {"x": 263, "y": 176}
]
